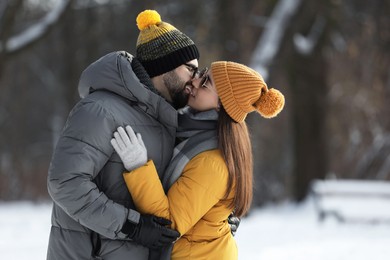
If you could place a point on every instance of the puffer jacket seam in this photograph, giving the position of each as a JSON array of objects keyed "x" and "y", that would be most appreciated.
[
  {"x": 100, "y": 103},
  {"x": 85, "y": 207},
  {"x": 70, "y": 230},
  {"x": 82, "y": 141}
]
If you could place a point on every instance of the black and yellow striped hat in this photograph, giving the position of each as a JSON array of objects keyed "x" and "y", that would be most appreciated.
[{"x": 160, "y": 46}]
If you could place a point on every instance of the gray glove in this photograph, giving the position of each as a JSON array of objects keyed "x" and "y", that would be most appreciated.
[{"x": 130, "y": 148}]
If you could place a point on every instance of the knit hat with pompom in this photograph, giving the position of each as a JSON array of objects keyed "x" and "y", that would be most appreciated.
[
  {"x": 242, "y": 90},
  {"x": 160, "y": 46}
]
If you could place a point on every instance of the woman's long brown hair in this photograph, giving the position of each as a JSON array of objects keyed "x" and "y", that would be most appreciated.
[{"x": 235, "y": 145}]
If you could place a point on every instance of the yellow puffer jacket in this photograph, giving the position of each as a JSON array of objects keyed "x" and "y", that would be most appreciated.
[{"x": 194, "y": 204}]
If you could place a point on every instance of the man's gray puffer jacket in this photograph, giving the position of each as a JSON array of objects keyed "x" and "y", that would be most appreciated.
[{"x": 91, "y": 200}]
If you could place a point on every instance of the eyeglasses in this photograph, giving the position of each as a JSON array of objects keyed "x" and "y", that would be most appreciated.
[
  {"x": 193, "y": 69},
  {"x": 203, "y": 75},
  {"x": 196, "y": 73}
]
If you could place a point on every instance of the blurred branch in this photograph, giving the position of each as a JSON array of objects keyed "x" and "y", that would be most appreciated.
[
  {"x": 269, "y": 43},
  {"x": 376, "y": 152},
  {"x": 35, "y": 32},
  {"x": 305, "y": 44},
  {"x": 89, "y": 4},
  {"x": 384, "y": 171},
  {"x": 8, "y": 10}
]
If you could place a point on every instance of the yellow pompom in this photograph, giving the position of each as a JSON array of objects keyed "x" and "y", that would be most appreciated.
[
  {"x": 270, "y": 103},
  {"x": 147, "y": 18}
]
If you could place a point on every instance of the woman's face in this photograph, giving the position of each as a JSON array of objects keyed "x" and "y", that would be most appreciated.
[{"x": 203, "y": 95}]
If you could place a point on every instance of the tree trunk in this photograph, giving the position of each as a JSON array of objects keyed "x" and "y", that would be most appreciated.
[{"x": 307, "y": 74}]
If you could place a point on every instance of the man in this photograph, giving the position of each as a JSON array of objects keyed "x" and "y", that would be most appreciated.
[{"x": 93, "y": 214}]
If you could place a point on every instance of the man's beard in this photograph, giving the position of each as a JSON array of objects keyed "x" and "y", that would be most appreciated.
[{"x": 177, "y": 89}]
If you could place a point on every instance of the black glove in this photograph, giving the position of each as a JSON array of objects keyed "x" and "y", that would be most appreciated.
[
  {"x": 151, "y": 231},
  {"x": 234, "y": 222}
]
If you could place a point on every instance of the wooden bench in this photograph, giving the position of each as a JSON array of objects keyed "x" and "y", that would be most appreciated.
[{"x": 352, "y": 200}]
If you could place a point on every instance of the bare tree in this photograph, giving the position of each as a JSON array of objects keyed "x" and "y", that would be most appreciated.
[
  {"x": 307, "y": 73},
  {"x": 11, "y": 44},
  {"x": 330, "y": 59}
]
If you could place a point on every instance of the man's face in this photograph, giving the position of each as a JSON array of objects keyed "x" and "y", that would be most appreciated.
[{"x": 177, "y": 80}]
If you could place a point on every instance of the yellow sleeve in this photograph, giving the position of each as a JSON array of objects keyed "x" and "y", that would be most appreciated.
[
  {"x": 146, "y": 190},
  {"x": 201, "y": 186}
]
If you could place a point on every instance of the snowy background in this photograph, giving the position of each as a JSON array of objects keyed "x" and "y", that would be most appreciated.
[{"x": 276, "y": 232}]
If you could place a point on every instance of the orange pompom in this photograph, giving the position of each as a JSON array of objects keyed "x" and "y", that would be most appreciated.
[
  {"x": 270, "y": 103},
  {"x": 147, "y": 18}
]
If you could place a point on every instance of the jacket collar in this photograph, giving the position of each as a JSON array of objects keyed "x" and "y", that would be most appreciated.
[{"x": 113, "y": 72}]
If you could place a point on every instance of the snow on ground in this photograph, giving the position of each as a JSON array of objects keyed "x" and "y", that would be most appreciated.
[
  {"x": 276, "y": 232},
  {"x": 290, "y": 232}
]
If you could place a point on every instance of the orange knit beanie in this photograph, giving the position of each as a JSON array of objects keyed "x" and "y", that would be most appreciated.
[{"x": 242, "y": 90}]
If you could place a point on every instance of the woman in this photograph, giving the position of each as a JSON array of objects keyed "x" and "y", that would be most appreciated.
[{"x": 215, "y": 179}]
